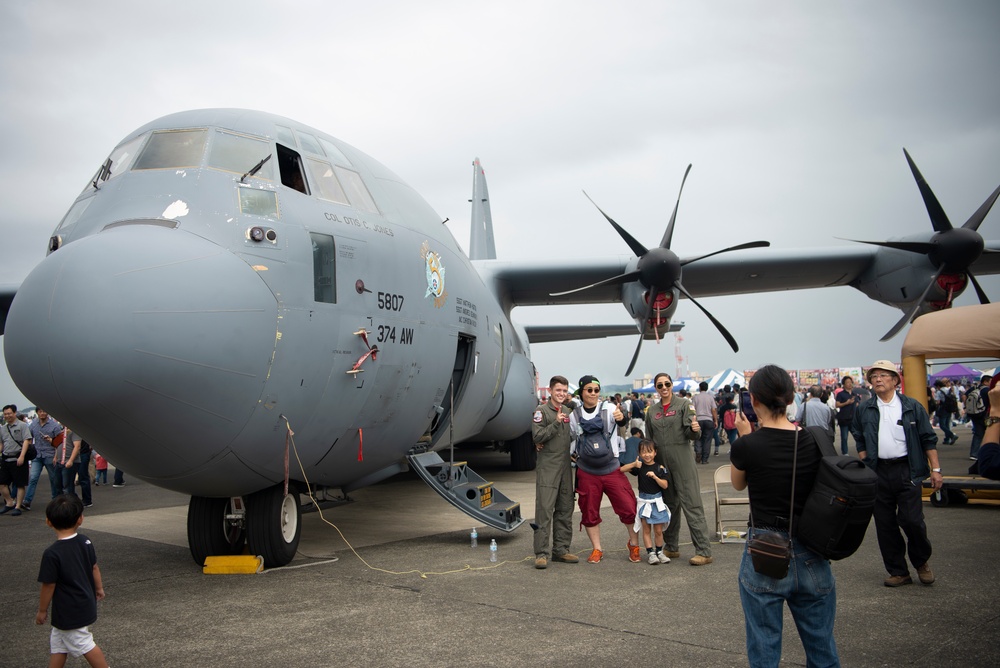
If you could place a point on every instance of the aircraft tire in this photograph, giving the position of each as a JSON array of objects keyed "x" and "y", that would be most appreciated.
[
  {"x": 522, "y": 453},
  {"x": 274, "y": 525},
  {"x": 209, "y": 534}
]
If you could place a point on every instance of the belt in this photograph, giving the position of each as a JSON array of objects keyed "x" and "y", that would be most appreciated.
[{"x": 894, "y": 459}]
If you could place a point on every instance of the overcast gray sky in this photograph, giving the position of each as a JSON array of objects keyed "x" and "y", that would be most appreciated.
[{"x": 794, "y": 115}]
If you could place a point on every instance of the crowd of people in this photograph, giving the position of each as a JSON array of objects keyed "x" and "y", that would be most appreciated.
[
  {"x": 34, "y": 444},
  {"x": 583, "y": 450}
]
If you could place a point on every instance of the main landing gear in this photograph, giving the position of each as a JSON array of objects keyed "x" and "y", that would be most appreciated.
[{"x": 269, "y": 523}]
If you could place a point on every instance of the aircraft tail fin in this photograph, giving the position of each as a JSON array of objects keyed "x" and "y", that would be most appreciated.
[{"x": 481, "y": 245}]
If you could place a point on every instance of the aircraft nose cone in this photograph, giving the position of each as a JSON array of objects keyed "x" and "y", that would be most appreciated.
[{"x": 152, "y": 343}]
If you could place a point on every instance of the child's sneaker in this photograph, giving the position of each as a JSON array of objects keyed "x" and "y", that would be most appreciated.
[
  {"x": 653, "y": 560},
  {"x": 663, "y": 558}
]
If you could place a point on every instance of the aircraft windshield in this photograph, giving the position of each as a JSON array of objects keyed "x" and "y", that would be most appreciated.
[
  {"x": 324, "y": 181},
  {"x": 174, "y": 149},
  {"x": 239, "y": 153}
]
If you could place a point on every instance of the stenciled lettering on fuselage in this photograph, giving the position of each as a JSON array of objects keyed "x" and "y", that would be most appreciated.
[
  {"x": 359, "y": 222},
  {"x": 466, "y": 311},
  {"x": 435, "y": 275}
]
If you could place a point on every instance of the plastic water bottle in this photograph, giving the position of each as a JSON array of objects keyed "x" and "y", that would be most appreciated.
[
  {"x": 474, "y": 537},
  {"x": 493, "y": 550}
]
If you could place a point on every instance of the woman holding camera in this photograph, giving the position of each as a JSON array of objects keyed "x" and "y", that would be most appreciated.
[{"x": 763, "y": 461}]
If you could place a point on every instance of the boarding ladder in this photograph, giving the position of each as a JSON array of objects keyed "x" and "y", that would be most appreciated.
[{"x": 467, "y": 490}]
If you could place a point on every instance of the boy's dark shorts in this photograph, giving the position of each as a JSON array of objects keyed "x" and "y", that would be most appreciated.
[{"x": 10, "y": 472}]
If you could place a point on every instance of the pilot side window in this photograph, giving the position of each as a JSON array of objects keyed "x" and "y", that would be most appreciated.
[
  {"x": 290, "y": 167},
  {"x": 173, "y": 149},
  {"x": 324, "y": 278}
]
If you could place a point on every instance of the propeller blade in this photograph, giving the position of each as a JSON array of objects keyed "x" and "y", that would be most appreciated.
[
  {"x": 669, "y": 234},
  {"x": 976, "y": 219},
  {"x": 614, "y": 280},
  {"x": 653, "y": 291},
  {"x": 921, "y": 247},
  {"x": 912, "y": 313},
  {"x": 938, "y": 217},
  {"x": 983, "y": 299},
  {"x": 718, "y": 325},
  {"x": 749, "y": 244},
  {"x": 636, "y": 247}
]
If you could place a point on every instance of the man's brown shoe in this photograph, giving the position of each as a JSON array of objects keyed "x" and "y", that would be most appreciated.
[
  {"x": 925, "y": 574},
  {"x": 700, "y": 560},
  {"x": 541, "y": 562},
  {"x": 898, "y": 581},
  {"x": 566, "y": 558},
  {"x": 672, "y": 554}
]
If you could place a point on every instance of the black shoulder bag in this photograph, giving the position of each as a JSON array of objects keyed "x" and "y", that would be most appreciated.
[
  {"x": 32, "y": 452},
  {"x": 771, "y": 551}
]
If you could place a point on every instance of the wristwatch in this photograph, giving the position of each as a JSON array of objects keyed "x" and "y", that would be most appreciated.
[
  {"x": 990, "y": 421},
  {"x": 935, "y": 470}
]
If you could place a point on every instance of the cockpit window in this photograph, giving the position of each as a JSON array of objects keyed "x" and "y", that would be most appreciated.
[
  {"x": 173, "y": 149},
  {"x": 356, "y": 190},
  {"x": 122, "y": 157},
  {"x": 324, "y": 182},
  {"x": 308, "y": 143},
  {"x": 285, "y": 135},
  {"x": 334, "y": 153},
  {"x": 239, "y": 153},
  {"x": 290, "y": 167}
]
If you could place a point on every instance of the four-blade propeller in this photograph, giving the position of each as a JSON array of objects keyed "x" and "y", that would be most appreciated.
[
  {"x": 659, "y": 270},
  {"x": 952, "y": 250}
]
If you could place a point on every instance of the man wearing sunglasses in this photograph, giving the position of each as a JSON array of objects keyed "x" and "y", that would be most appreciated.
[
  {"x": 895, "y": 438},
  {"x": 596, "y": 445}
]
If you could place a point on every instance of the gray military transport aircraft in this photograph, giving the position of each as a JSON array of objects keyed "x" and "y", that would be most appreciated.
[{"x": 228, "y": 276}]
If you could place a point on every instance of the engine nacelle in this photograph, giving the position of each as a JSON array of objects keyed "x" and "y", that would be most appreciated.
[
  {"x": 635, "y": 298},
  {"x": 898, "y": 279}
]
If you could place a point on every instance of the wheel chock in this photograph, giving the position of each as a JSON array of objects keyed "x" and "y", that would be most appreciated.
[{"x": 241, "y": 563}]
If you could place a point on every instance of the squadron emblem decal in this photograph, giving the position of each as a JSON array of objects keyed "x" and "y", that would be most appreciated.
[{"x": 435, "y": 275}]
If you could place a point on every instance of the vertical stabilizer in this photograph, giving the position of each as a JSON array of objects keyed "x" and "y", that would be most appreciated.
[{"x": 481, "y": 246}]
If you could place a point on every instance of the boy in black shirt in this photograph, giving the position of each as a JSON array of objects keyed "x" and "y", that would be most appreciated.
[{"x": 71, "y": 581}]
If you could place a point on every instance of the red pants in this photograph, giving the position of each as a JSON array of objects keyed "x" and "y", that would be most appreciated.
[{"x": 592, "y": 487}]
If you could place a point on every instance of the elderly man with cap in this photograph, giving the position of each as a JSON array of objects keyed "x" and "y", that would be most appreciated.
[
  {"x": 895, "y": 438},
  {"x": 595, "y": 445}
]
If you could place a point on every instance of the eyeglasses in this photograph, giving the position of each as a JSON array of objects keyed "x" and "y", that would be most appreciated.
[
  {"x": 661, "y": 386},
  {"x": 592, "y": 390},
  {"x": 881, "y": 375}
]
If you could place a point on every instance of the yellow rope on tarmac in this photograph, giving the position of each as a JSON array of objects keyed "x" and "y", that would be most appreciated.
[{"x": 422, "y": 574}]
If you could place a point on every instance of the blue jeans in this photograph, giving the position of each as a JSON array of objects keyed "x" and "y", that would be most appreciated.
[
  {"x": 845, "y": 429},
  {"x": 978, "y": 431},
  {"x": 37, "y": 464},
  {"x": 944, "y": 421},
  {"x": 67, "y": 476},
  {"x": 811, "y": 593}
]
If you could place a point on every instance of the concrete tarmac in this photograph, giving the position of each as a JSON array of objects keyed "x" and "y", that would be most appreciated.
[{"x": 423, "y": 597}]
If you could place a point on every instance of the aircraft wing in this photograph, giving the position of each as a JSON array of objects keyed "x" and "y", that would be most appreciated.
[
  {"x": 525, "y": 283},
  {"x": 552, "y": 333}
]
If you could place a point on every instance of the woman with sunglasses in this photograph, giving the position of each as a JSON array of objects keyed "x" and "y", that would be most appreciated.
[{"x": 671, "y": 425}]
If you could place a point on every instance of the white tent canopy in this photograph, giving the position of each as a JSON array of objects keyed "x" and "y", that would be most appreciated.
[{"x": 728, "y": 377}]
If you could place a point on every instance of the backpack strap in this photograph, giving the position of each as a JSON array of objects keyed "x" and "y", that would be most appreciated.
[{"x": 822, "y": 438}]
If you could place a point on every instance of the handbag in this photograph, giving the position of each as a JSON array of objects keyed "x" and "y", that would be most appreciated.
[
  {"x": 32, "y": 452},
  {"x": 771, "y": 551}
]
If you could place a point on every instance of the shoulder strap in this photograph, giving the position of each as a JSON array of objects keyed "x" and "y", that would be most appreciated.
[{"x": 822, "y": 438}]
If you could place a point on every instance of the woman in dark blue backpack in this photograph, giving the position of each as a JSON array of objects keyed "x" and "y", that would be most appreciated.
[{"x": 778, "y": 463}]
